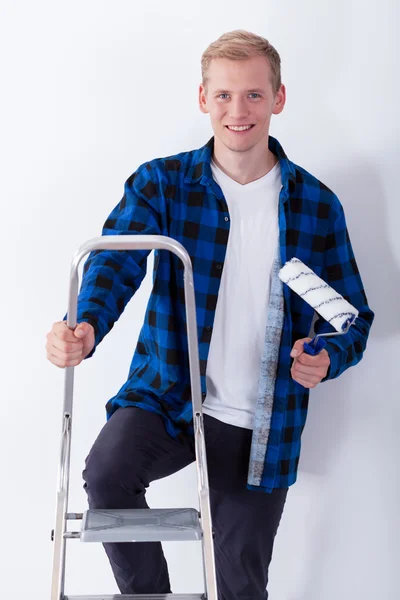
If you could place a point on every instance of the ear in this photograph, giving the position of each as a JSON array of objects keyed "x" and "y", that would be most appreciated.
[
  {"x": 203, "y": 99},
  {"x": 280, "y": 100}
]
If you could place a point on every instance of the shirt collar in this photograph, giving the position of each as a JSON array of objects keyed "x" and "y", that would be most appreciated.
[{"x": 199, "y": 169}]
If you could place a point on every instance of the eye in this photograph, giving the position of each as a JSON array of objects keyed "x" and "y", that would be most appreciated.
[
  {"x": 220, "y": 96},
  {"x": 255, "y": 95}
]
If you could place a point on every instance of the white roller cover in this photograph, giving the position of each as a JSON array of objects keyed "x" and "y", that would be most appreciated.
[{"x": 318, "y": 294}]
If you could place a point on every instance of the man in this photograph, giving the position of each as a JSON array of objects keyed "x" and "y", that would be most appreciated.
[{"x": 241, "y": 209}]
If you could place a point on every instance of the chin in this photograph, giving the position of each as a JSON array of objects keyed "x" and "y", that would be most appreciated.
[{"x": 239, "y": 146}]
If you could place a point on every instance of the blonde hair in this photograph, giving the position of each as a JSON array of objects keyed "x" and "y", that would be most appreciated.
[{"x": 239, "y": 45}]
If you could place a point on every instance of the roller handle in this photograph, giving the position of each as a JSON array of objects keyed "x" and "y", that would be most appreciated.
[{"x": 315, "y": 346}]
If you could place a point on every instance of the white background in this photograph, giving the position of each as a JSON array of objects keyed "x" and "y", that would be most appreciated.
[{"x": 90, "y": 90}]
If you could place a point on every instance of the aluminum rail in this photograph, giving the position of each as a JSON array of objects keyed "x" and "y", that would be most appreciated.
[{"x": 60, "y": 535}]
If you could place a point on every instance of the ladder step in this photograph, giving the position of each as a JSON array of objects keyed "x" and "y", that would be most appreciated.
[
  {"x": 141, "y": 525},
  {"x": 140, "y": 597}
]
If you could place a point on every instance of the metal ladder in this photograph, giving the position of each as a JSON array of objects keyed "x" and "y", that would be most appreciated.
[{"x": 136, "y": 525}]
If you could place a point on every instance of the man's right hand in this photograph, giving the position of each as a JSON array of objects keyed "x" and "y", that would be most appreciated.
[{"x": 66, "y": 347}]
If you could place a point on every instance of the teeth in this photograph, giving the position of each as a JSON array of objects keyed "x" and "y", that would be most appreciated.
[{"x": 242, "y": 128}]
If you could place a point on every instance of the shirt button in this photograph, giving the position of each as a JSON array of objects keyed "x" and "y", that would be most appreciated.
[
  {"x": 226, "y": 218},
  {"x": 203, "y": 395},
  {"x": 219, "y": 266},
  {"x": 208, "y": 328}
]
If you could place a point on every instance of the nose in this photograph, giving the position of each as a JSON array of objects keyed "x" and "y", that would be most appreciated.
[{"x": 238, "y": 109}]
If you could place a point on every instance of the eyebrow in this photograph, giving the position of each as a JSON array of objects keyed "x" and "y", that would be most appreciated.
[{"x": 252, "y": 90}]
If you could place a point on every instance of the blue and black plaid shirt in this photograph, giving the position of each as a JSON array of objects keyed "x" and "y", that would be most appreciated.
[{"x": 178, "y": 197}]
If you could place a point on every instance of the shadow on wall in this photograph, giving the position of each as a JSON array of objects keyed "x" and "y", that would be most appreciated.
[
  {"x": 366, "y": 221},
  {"x": 367, "y": 217},
  {"x": 336, "y": 408}
]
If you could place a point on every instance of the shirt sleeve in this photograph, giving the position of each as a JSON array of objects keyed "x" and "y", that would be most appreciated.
[
  {"x": 341, "y": 272},
  {"x": 111, "y": 277}
]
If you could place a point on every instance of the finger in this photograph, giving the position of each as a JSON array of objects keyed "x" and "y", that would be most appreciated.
[
  {"x": 83, "y": 330},
  {"x": 61, "y": 353},
  {"x": 64, "y": 333},
  {"x": 304, "y": 382},
  {"x": 304, "y": 369},
  {"x": 311, "y": 361},
  {"x": 64, "y": 359},
  {"x": 59, "y": 362},
  {"x": 68, "y": 347},
  {"x": 298, "y": 347},
  {"x": 54, "y": 360},
  {"x": 313, "y": 378}
]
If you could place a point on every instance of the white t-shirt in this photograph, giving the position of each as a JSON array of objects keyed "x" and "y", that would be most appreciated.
[{"x": 234, "y": 360}]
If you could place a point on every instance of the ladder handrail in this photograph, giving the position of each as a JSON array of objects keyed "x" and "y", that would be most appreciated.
[{"x": 135, "y": 242}]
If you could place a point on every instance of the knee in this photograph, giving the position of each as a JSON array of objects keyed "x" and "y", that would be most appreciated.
[{"x": 110, "y": 483}]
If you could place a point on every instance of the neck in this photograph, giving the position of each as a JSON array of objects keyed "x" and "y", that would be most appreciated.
[{"x": 244, "y": 167}]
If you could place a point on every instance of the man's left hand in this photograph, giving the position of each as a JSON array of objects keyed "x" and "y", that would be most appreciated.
[{"x": 306, "y": 369}]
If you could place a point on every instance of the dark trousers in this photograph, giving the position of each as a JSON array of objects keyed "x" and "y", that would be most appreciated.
[{"x": 133, "y": 449}]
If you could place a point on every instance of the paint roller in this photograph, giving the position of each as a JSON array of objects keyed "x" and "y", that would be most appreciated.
[{"x": 323, "y": 299}]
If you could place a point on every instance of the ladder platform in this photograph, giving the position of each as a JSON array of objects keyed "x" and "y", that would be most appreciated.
[
  {"x": 140, "y": 597},
  {"x": 140, "y": 525}
]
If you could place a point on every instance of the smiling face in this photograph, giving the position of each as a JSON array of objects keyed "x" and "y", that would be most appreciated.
[{"x": 239, "y": 97}]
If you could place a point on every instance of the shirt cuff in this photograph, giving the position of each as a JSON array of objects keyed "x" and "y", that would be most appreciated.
[{"x": 334, "y": 369}]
